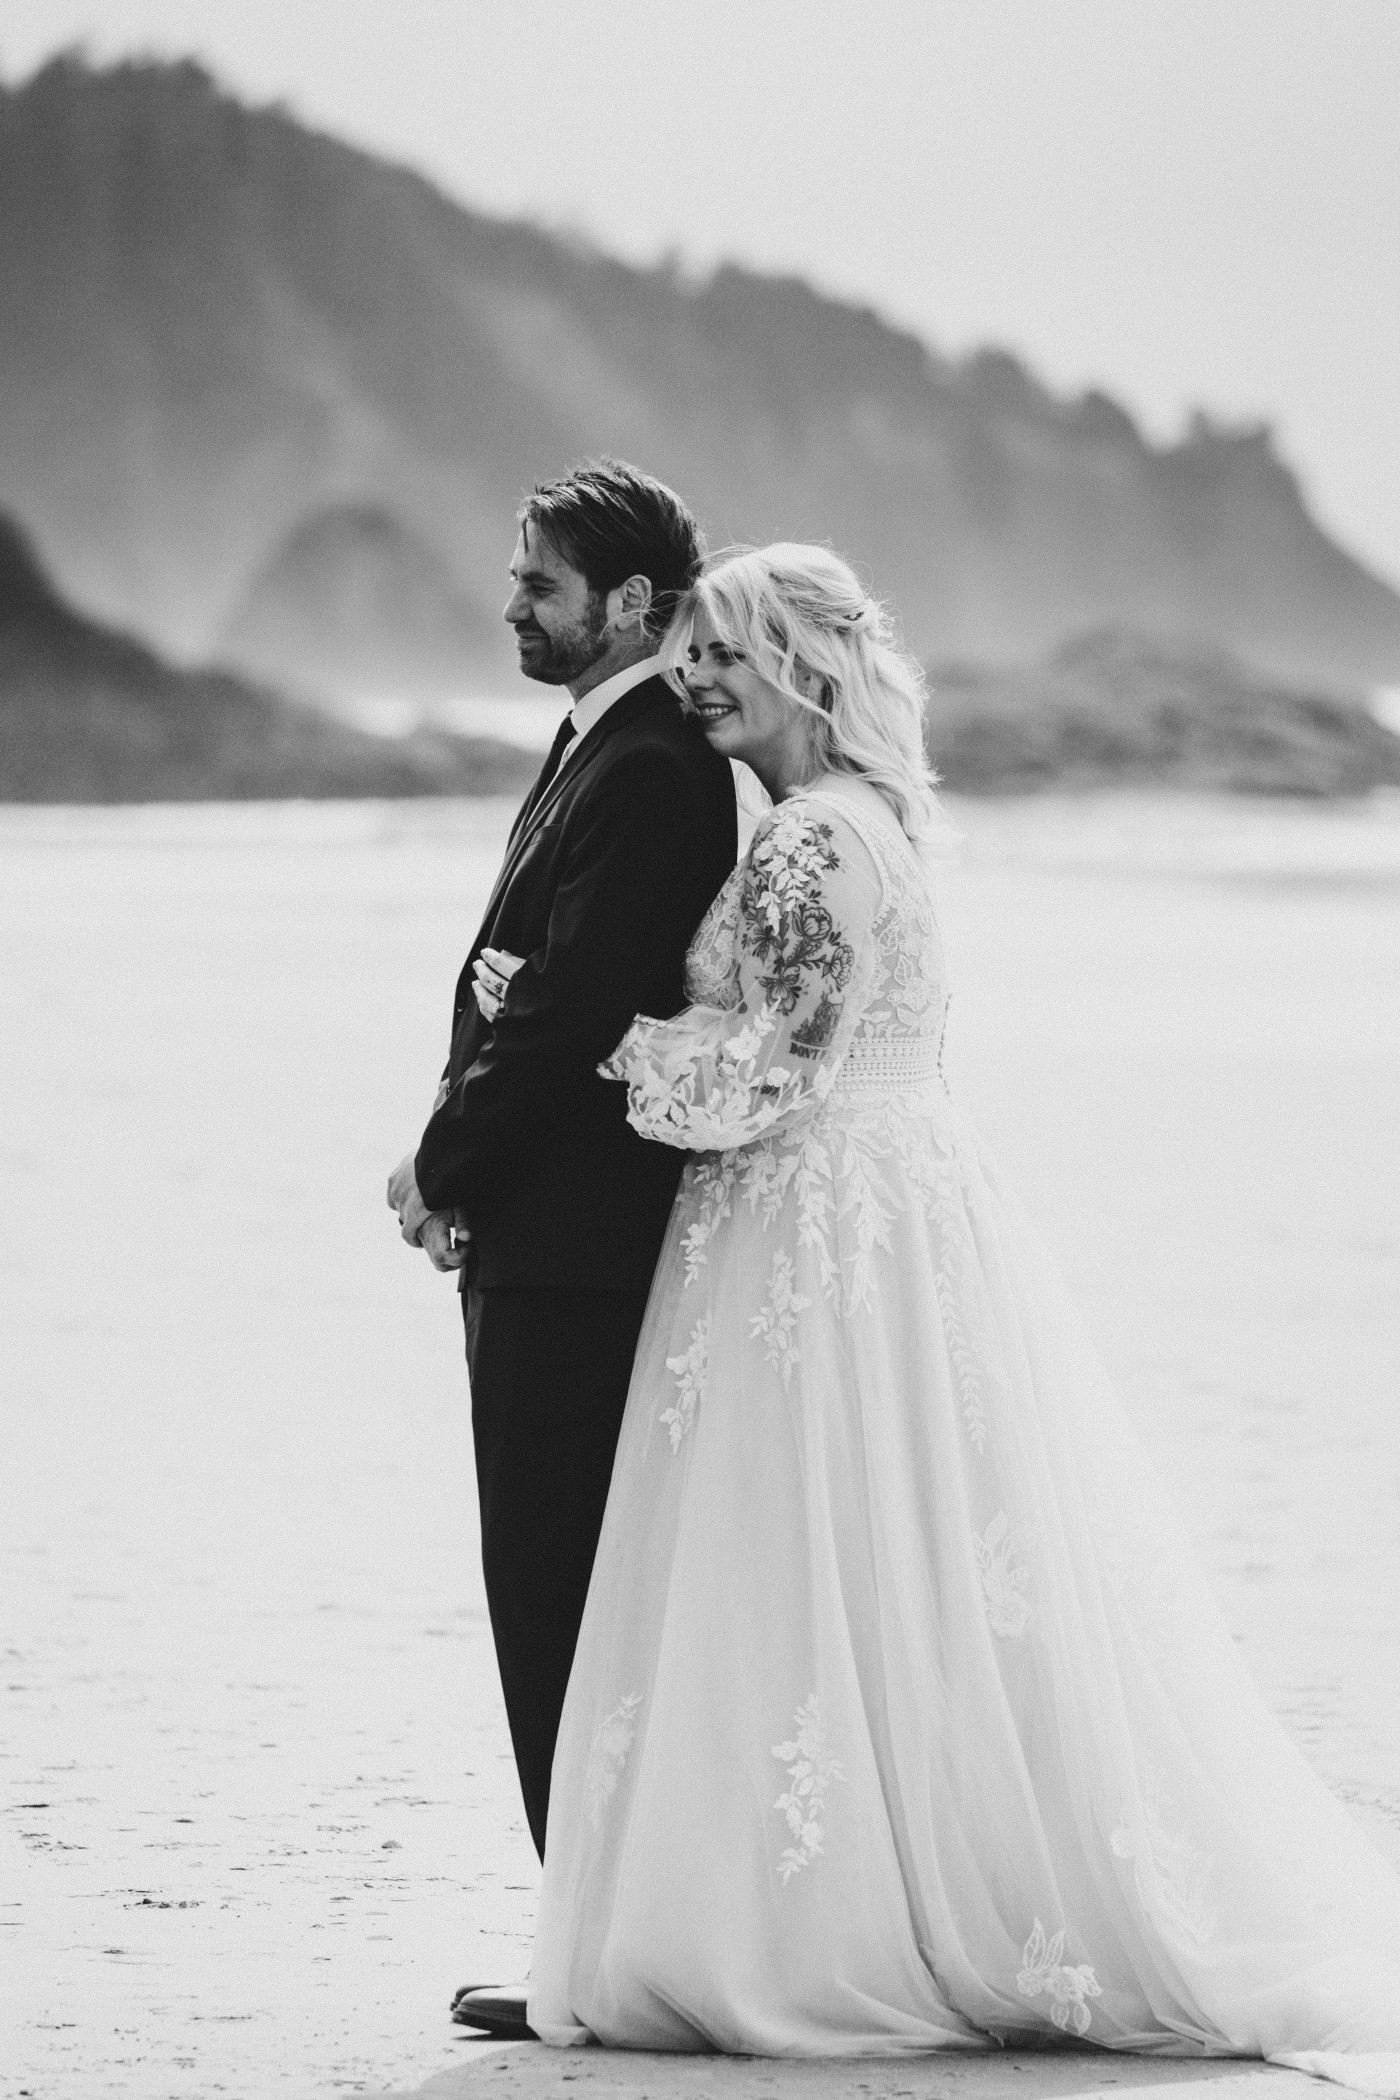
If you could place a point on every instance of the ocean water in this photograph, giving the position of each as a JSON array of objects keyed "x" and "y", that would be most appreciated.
[{"x": 257, "y": 1809}]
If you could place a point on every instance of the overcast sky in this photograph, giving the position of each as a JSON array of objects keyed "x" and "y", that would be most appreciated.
[{"x": 1187, "y": 201}]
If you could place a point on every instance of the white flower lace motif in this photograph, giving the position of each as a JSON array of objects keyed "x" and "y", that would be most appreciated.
[
  {"x": 828, "y": 1139},
  {"x": 825, "y": 1169},
  {"x": 1045, "y": 1974},
  {"x": 707, "y": 1191},
  {"x": 1004, "y": 1578},
  {"x": 607, "y": 1755},
  {"x": 1172, "y": 1876},
  {"x": 810, "y": 1770},
  {"x": 951, "y": 1285},
  {"x": 691, "y": 1372},
  {"x": 776, "y": 1322}
]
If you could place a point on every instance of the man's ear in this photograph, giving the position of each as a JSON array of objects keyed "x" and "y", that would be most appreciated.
[{"x": 630, "y": 602}]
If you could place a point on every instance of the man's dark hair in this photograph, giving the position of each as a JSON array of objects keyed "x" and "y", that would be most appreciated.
[{"x": 610, "y": 521}]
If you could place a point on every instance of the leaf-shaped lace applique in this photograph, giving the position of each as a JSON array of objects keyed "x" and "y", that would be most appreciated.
[
  {"x": 815, "y": 1187},
  {"x": 1171, "y": 1874},
  {"x": 691, "y": 1370},
  {"x": 862, "y": 1206},
  {"x": 1044, "y": 1973},
  {"x": 776, "y": 1322},
  {"x": 1004, "y": 1578},
  {"x": 767, "y": 1168},
  {"x": 810, "y": 1770},
  {"x": 607, "y": 1755},
  {"x": 952, "y": 1289},
  {"x": 707, "y": 1192}
]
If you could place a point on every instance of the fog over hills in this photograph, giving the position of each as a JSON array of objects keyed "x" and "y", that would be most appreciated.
[
  {"x": 218, "y": 326},
  {"x": 355, "y": 600},
  {"x": 90, "y": 714}
]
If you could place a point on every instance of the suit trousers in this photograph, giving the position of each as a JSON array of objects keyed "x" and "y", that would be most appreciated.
[{"x": 549, "y": 1373}]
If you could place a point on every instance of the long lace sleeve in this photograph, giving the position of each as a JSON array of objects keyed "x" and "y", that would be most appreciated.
[{"x": 717, "y": 1077}]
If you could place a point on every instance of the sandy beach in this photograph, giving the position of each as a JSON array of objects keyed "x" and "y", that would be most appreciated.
[{"x": 259, "y": 1812}]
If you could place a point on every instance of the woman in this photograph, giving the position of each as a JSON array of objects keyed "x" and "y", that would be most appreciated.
[{"x": 901, "y": 1717}]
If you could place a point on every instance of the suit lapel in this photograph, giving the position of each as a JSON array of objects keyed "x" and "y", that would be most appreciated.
[
  {"x": 541, "y": 781},
  {"x": 629, "y": 708}
]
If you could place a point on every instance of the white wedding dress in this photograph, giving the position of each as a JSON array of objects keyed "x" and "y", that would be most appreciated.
[{"x": 901, "y": 1717}]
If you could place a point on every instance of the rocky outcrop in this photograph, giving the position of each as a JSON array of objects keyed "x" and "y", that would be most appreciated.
[
  {"x": 1115, "y": 709},
  {"x": 354, "y": 603},
  {"x": 89, "y": 714}
]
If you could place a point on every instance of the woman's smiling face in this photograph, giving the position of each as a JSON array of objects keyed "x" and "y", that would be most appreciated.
[{"x": 742, "y": 715}]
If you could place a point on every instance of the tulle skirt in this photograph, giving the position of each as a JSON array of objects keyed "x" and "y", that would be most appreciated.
[{"x": 901, "y": 1716}]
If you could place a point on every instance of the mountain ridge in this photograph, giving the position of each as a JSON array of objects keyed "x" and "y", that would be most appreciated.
[{"x": 220, "y": 322}]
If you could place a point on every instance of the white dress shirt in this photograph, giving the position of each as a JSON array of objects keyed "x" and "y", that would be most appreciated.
[{"x": 594, "y": 705}]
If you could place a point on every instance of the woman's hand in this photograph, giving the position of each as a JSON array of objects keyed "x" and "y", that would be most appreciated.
[{"x": 493, "y": 970}]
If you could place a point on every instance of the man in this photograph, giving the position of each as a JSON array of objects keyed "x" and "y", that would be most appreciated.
[{"x": 559, "y": 1207}]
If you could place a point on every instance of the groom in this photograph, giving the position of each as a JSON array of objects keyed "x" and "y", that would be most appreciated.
[{"x": 559, "y": 1207}]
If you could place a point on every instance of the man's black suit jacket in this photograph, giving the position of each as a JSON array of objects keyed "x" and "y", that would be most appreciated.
[{"x": 610, "y": 868}]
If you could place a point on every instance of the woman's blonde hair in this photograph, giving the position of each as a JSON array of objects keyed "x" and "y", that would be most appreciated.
[{"x": 799, "y": 615}]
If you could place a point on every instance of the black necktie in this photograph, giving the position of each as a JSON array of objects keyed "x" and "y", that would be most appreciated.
[
  {"x": 562, "y": 741},
  {"x": 563, "y": 737}
]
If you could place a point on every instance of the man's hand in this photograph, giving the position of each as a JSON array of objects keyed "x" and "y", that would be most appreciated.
[
  {"x": 435, "y": 1238},
  {"x": 404, "y": 1198},
  {"x": 493, "y": 970}
]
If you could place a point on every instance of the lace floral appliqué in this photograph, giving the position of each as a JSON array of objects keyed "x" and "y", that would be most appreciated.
[
  {"x": 951, "y": 1284},
  {"x": 789, "y": 931},
  {"x": 776, "y": 1323},
  {"x": 1045, "y": 1974},
  {"x": 607, "y": 1756},
  {"x": 707, "y": 1194},
  {"x": 810, "y": 1772},
  {"x": 1171, "y": 1874},
  {"x": 691, "y": 1371},
  {"x": 763, "y": 1041},
  {"x": 1004, "y": 1578}
]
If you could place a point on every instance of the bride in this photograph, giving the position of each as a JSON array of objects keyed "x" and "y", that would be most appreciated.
[{"x": 901, "y": 1717}]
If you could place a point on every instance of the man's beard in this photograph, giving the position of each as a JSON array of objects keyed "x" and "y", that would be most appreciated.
[{"x": 567, "y": 655}]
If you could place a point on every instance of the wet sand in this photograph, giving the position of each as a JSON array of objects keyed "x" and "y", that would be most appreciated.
[
  {"x": 259, "y": 1815},
  {"x": 527, "y": 2073}
]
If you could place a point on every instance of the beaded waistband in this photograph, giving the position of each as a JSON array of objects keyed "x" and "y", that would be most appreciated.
[{"x": 894, "y": 1062}]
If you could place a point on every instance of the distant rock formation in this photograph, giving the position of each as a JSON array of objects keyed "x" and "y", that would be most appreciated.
[
  {"x": 216, "y": 323},
  {"x": 88, "y": 714},
  {"x": 1113, "y": 709},
  {"x": 353, "y": 604}
]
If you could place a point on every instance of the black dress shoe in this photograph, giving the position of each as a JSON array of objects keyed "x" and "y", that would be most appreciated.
[{"x": 497, "y": 2009}]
